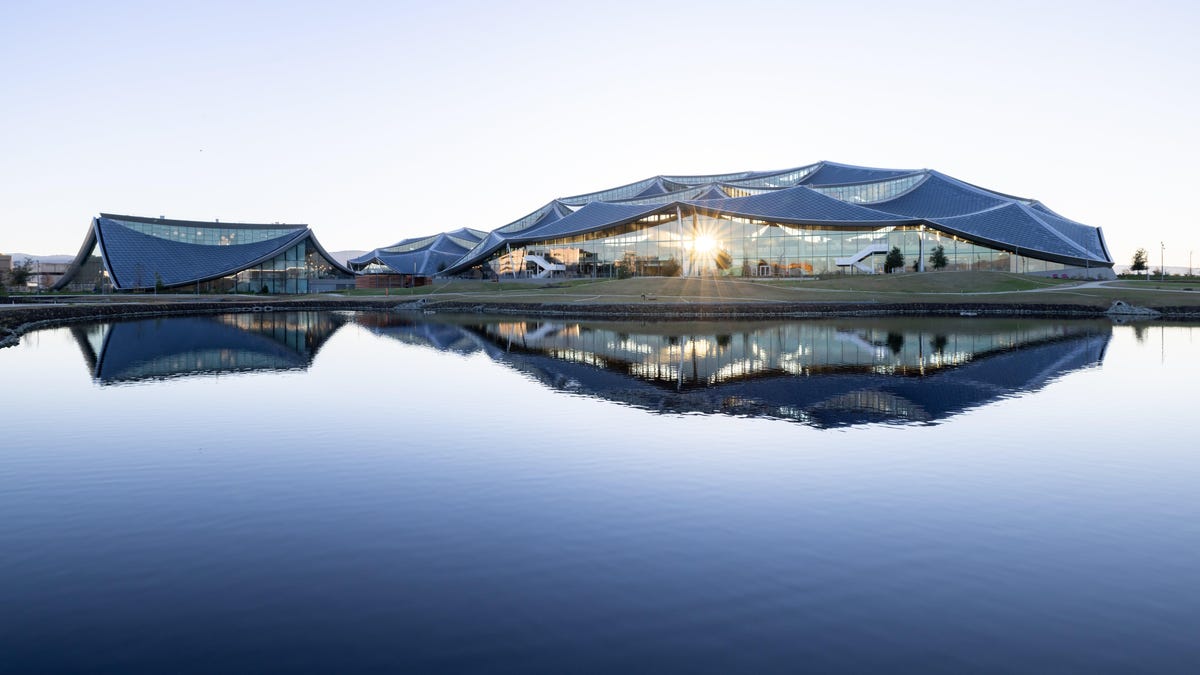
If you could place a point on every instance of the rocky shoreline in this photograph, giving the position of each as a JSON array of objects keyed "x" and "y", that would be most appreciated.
[{"x": 18, "y": 320}]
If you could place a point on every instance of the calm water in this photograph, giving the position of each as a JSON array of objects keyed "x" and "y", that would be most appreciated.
[{"x": 370, "y": 493}]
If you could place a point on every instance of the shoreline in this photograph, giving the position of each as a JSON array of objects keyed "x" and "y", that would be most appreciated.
[{"x": 18, "y": 319}]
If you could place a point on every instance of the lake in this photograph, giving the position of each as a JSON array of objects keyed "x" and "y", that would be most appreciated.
[{"x": 383, "y": 492}]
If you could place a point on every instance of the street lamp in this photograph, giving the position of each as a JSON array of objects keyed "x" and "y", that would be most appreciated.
[{"x": 1162, "y": 257}]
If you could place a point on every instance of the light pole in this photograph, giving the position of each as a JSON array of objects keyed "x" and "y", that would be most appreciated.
[{"x": 1162, "y": 257}]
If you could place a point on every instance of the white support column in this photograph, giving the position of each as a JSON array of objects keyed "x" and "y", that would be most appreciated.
[
  {"x": 921, "y": 249},
  {"x": 685, "y": 264}
]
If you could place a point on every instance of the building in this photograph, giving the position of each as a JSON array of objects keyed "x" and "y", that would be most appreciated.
[
  {"x": 816, "y": 219},
  {"x": 121, "y": 352},
  {"x": 46, "y": 274},
  {"x": 831, "y": 373},
  {"x": 415, "y": 261},
  {"x": 132, "y": 253},
  {"x": 5, "y": 267}
]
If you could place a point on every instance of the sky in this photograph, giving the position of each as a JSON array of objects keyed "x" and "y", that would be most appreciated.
[{"x": 377, "y": 121}]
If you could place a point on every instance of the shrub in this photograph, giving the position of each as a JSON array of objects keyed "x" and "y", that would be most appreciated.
[
  {"x": 894, "y": 260},
  {"x": 670, "y": 267},
  {"x": 938, "y": 257}
]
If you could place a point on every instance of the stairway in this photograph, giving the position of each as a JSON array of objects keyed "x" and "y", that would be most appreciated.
[
  {"x": 545, "y": 266},
  {"x": 855, "y": 260}
]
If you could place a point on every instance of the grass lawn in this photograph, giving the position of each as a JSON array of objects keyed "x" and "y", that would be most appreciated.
[
  {"x": 910, "y": 288},
  {"x": 929, "y": 287}
]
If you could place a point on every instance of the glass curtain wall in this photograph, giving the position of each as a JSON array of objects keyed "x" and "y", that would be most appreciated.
[
  {"x": 207, "y": 235},
  {"x": 285, "y": 273},
  {"x": 288, "y": 272},
  {"x": 720, "y": 245}
]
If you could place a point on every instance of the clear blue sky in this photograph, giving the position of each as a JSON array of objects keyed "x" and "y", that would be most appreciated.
[{"x": 374, "y": 121}]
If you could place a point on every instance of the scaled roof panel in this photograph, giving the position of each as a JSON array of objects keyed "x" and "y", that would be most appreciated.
[
  {"x": 139, "y": 260},
  {"x": 824, "y": 192},
  {"x": 937, "y": 197},
  {"x": 712, "y": 191},
  {"x": 1012, "y": 225},
  {"x": 832, "y": 173},
  {"x": 797, "y": 204},
  {"x": 1083, "y": 235},
  {"x": 594, "y": 216}
]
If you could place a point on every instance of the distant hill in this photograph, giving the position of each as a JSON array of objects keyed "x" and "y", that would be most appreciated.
[
  {"x": 19, "y": 258},
  {"x": 343, "y": 256}
]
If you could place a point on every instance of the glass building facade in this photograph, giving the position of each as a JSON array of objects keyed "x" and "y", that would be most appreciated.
[
  {"x": 134, "y": 253},
  {"x": 289, "y": 272},
  {"x": 704, "y": 245},
  {"x": 824, "y": 218}
]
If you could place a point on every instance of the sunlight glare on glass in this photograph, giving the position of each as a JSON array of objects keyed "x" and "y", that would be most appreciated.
[{"x": 704, "y": 243}]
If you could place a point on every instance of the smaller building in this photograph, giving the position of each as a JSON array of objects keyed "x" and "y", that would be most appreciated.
[
  {"x": 5, "y": 267},
  {"x": 415, "y": 261},
  {"x": 137, "y": 253},
  {"x": 45, "y": 275}
]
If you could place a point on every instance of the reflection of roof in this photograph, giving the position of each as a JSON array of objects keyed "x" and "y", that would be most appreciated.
[
  {"x": 825, "y": 193},
  {"x": 150, "y": 349},
  {"x": 442, "y": 337},
  {"x": 838, "y": 400},
  {"x": 848, "y": 373}
]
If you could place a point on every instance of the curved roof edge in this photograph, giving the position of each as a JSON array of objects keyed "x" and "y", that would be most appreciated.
[
  {"x": 89, "y": 243},
  {"x": 95, "y": 240},
  {"x": 1073, "y": 244},
  {"x": 1005, "y": 246},
  {"x": 202, "y": 223}
]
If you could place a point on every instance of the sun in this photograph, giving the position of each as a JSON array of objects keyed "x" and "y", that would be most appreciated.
[{"x": 704, "y": 244}]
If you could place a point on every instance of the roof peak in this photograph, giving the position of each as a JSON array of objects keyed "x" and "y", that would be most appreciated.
[{"x": 200, "y": 223}]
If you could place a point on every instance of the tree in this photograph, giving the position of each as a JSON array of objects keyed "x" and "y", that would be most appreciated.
[
  {"x": 938, "y": 257},
  {"x": 1139, "y": 261},
  {"x": 669, "y": 267},
  {"x": 894, "y": 260},
  {"x": 626, "y": 266},
  {"x": 723, "y": 260},
  {"x": 20, "y": 273},
  {"x": 938, "y": 343}
]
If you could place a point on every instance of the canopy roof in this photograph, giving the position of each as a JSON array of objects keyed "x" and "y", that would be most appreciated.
[
  {"x": 141, "y": 252},
  {"x": 821, "y": 194},
  {"x": 421, "y": 256}
]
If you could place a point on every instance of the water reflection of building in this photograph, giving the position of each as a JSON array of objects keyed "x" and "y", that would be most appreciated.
[
  {"x": 824, "y": 373},
  {"x": 151, "y": 349}
]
